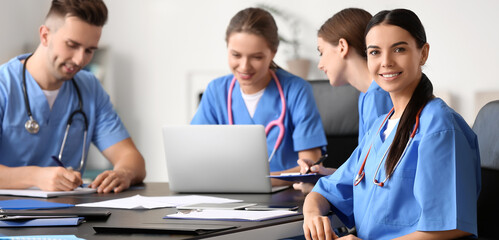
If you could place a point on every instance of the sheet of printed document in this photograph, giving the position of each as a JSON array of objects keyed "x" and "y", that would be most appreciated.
[
  {"x": 142, "y": 202},
  {"x": 231, "y": 215},
  {"x": 36, "y": 192}
]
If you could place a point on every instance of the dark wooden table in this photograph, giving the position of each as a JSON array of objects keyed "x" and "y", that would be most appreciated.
[{"x": 270, "y": 229}]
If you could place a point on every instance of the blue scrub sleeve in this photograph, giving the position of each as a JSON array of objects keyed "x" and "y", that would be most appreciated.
[
  {"x": 3, "y": 101},
  {"x": 447, "y": 182},
  {"x": 109, "y": 129},
  {"x": 338, "y": 189},
  {"x": 309, "y": 132},
  {"x": 373, "y": 104},
  {"x": 206, "y": 112}
]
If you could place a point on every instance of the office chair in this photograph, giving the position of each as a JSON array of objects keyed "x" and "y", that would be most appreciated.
[
  {"x": 338, "y": 107},
  {"x": 486, "y": 127}
]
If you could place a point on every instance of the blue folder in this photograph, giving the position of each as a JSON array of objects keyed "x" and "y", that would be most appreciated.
[
  {"x": 42, "y": 222},
  {"x": 306, "y": 178},
  {"x": 31, "y": 204}
]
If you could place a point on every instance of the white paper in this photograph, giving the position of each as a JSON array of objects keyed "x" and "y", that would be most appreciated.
[
  {"x": 232, "y": 215},
  {"x": 36, "y": 192},
  {"x": 142, "y": 202}
]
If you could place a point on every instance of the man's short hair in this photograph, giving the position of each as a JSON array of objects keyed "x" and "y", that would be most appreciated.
[{"x": 93, "y": 12}]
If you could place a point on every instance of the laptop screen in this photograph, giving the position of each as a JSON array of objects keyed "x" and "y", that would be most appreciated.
[{"x": 217, "y": 158}]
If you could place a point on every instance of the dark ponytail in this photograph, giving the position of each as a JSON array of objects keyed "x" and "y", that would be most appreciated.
[
  {"x": 422, "y": 95},
  {"x": 409, "y": 21}
]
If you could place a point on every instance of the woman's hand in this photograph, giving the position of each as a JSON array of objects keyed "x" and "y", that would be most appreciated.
[
  {"x": 349, "y": 237},
  {"x": 318, "y": 227},
  {"x": 305, "y": 188},
  {"x": 306, "y": 164}
]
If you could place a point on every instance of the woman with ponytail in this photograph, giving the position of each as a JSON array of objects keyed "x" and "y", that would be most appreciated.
[
  {"x": 416, "y": 173},
  {"x": 343, "y": 58}
]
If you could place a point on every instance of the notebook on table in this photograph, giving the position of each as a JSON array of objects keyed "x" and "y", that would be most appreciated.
[{"x": 217, "y": 159}]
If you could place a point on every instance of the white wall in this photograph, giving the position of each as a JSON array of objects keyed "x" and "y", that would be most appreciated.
[
  {"x": 19, "y": 21},
  {"x": 159, "y": 47}
]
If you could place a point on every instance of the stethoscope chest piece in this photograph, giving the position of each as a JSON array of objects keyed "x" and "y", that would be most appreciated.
[{"x": 32, "y": 126}]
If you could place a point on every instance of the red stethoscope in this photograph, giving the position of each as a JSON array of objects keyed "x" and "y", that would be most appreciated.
[
  {"x": 360, "y": 175},
  {"x": 279, "y": 122}
]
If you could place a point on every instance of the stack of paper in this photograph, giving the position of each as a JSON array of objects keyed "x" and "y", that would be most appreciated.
[
  {"x": 142, "y": 202},
  {"x": 231, "y": 215}
]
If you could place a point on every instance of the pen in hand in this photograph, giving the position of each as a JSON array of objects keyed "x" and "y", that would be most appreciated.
[
  {"x": 56, "y": 160},
  {"x": 317, "y": 163},
  {"x": 60, "y": 164}
]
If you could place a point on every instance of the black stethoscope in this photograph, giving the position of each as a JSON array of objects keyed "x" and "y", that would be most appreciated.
[{"x": 33, "y": 127}]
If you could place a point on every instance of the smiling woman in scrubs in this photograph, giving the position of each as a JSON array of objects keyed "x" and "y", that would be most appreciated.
[
  {"x": 416, "y": 173},
  {"x": 255, "y": 96},
  {"x": 340, "y": 42}
]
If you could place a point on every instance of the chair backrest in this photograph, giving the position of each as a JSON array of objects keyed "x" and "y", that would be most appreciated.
[
  {"x": 486, "y": 127},
  {"x": 338, "y": 107}
]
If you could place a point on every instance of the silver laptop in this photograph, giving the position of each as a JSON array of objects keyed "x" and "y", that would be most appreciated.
[{"x": 217, "y": 159}]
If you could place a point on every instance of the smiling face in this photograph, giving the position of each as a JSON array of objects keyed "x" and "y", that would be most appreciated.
[
  {"x": 331, "y": 62},
  {"x": 249, "y": 59},
  {"x": 394, "y": 59},
  {"x": 70, "y": 47}
]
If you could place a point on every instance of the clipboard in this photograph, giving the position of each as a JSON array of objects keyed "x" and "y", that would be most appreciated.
[
  {"x": 231, "y": 215},
  {"x": 170, "y": 228},
  {"x": 227, "y": 206},
  {"x": 306, "y": 178}
]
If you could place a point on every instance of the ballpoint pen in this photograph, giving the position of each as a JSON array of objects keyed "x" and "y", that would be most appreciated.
[
  {"x": 317, "y": 163},
  {"x": 59, "y": 163}
]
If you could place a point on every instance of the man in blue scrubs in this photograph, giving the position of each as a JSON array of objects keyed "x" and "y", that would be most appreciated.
[{"x": 49, "y": 85}]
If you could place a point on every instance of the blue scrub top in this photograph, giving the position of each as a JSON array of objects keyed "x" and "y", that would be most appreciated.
[
  {"x": 372, "y": 104},
  {"x": 434, "y": 188},
  {"x": 303, "y": 126},
  {"x": 20, "y": 148}
]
